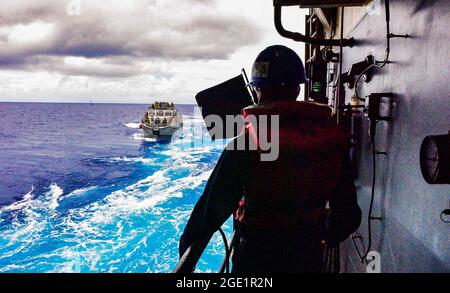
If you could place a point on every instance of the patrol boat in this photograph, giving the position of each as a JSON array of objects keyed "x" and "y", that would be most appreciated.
[{"x": 161, "y": 121}]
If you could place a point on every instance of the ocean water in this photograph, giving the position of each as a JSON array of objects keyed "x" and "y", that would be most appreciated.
[{"x": 81, "y": 189}]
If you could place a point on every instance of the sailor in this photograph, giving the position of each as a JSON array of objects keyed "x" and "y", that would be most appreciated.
[
  {"x": 284, "y": 210},
  {"x": 146, "y": 119}
]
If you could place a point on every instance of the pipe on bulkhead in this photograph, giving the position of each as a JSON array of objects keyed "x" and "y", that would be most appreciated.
[{"x": 298, "y": 37}]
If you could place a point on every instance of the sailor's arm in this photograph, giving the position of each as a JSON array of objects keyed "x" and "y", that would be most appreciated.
[
  {"x": 220, "y": 199},
  {"x": 345, "y": 214}
]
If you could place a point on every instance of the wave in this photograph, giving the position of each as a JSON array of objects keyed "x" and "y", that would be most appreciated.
[
  {"x": 50, "y": 199},
  {"x": 129, "y": 230},
  {"x": 23, "y": 203},
  {"x": 132, "y": 125},
  {"x": 132, "y": 160},
  {"x": 53, "y": 195},
  {"x": 140, "y": 136},
  {"x": 80, "y": 191}
]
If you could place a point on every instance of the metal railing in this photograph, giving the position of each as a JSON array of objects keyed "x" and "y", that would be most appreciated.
[{"x": 190, "y": 258}]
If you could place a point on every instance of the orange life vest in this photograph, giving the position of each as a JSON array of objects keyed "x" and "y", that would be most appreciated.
[{"x": 296, "y": 186}]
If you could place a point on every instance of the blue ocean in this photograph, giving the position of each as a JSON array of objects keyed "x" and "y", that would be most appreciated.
[{"x": 82, "y": 190}]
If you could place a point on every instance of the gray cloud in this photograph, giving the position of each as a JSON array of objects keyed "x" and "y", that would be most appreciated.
[
  {"x": 118, "y": 67},
  {"x": 117, "y": 37}
]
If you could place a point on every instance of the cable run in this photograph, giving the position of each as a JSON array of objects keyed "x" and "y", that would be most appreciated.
[
  {"x": 369, "y": 216},
  {"x": 227, "y": 250}
]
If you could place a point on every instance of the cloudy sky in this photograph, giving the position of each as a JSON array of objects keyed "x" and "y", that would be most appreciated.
[{"x": 132, "y": 51}]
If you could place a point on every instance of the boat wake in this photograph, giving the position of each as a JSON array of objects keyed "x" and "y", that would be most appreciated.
[
  {"x": 140, "y": 136},
  {"x": 132, "y": 125},
  {"x": 132, "y": 225}
]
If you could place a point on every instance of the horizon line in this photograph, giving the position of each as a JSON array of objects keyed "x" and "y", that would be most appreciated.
[{"x": 114, "y": 103}]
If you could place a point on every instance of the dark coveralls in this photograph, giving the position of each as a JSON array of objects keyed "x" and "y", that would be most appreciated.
[{"x": 260, "y": 251}]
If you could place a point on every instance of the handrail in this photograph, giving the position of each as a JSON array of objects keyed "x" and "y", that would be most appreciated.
[
  {"x": 298, "y": 37},
  {"x": 191, "y": 256},
  {"x": 188, "y": 261}
]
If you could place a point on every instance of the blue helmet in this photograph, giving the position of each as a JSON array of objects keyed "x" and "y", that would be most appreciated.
[{"x": 278, "y": 66}]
